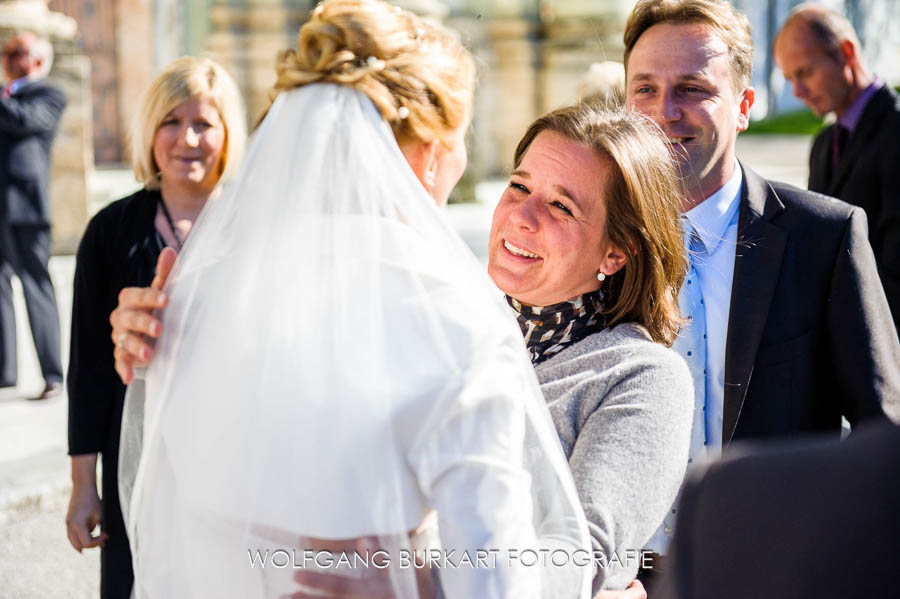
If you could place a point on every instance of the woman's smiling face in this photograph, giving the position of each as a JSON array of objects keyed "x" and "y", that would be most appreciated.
[
  {"x": 548, "y": 236},
  {"x": 188, "y": 145}
]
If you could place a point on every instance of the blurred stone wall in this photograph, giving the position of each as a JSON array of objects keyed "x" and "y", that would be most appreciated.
[
  {"x": 532, "y": 57},
  {"x": 97, "y": 40},
  {"x": 245, "y": 37}
]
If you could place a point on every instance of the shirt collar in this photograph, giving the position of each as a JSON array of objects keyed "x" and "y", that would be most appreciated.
[
  {"x": 18, "y": 83},
  {"x": 850, "y": 119},
  {"x": 711, "y": 217}
]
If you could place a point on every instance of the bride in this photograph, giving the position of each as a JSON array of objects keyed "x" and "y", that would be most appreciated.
[{"x": 339, "y": 386}]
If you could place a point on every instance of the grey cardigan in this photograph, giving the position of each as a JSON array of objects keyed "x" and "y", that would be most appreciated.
[{"x": 623, "y": 407}]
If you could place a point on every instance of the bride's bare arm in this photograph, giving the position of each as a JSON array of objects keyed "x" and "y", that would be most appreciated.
[{"x": 133, "y": 322}]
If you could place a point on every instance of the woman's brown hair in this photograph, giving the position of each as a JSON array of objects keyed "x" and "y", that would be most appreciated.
[{"x": 642, "y": 206}]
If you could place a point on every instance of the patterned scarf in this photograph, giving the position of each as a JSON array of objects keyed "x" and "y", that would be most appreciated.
[{"x": 550, "y": 329}]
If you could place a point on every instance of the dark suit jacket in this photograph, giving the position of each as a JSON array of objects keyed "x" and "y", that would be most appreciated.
[
  {"x": 810, "y": 335},
  {"x": 867, "y": 177},
  {"x": 28, "y": 123},
  {"x": 810, "y": 521}
]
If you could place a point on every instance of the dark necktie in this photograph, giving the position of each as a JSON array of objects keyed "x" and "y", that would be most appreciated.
[{"x": 838, "y": 141}]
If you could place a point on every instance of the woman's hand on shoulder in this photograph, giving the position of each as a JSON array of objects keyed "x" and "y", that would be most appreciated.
[
  {"x": 133, "y": 322},
  {"x": 634, "y": 591}
]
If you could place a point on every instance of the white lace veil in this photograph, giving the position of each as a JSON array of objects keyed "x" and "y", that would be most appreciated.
[{"x": 337, "y": 378}]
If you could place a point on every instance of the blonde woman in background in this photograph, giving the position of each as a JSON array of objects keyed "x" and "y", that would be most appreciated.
[{"x": 188, "y": 132}]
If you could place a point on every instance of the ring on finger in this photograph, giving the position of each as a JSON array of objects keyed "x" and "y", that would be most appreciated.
[{"x": 120, "y": 341}]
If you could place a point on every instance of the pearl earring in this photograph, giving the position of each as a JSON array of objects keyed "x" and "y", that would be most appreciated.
[{"x": 601, "y": 276}]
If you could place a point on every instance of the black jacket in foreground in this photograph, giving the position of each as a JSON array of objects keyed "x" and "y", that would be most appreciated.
[{"x": 809, "y": 520}]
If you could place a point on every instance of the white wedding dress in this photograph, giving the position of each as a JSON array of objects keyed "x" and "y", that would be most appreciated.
[{"x": 335, "y": 367}]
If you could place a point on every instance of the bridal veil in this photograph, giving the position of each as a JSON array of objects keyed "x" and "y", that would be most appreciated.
[{"x": 341, "y": 399}]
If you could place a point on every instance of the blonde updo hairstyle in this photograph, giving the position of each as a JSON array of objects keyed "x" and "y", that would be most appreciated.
[
  {"x": 183, "y": 80},
  {"x": 417, "y": 73}
]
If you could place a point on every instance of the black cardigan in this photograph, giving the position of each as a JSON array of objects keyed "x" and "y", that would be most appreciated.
[{"x": 119, "y": 249}]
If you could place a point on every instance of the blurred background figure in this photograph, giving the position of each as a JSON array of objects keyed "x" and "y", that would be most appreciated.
[
  {"x": 856, "y": 158},
  {"x": 189, "y": 130},
  {"x": 604, "y": 83},
  {"x": 800, "y": 521},
  {"x": 30, "y": 109}
]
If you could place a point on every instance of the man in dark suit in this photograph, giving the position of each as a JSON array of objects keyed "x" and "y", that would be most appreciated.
[
  {"x": 857, "y": 158},
  {"x": 793, "y": 521},
  {"x": 791, "y": 330},
  {"x": 30, "y": 110}
]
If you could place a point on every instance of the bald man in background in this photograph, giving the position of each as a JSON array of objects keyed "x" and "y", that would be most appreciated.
[{"x": 857, "y": 158}]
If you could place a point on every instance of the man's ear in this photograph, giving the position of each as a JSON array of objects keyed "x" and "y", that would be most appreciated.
[
  {"x": 37, "y": 64},
  {"x": 848, "y": 52},
  {"x": 747, "y": 99}
]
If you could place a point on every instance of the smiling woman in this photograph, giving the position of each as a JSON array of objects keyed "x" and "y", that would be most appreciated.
[
  {"x": 188, "y": 145},
  {"x": 586, "y": 244},
  {"x": 188, "y": 132},
  {"x": 543, "y": 222}
]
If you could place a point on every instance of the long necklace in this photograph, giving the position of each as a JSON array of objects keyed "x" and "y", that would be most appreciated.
[{"x": 178, "y": 240}]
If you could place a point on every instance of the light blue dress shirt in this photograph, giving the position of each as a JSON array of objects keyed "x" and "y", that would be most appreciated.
[{"x": 716, "y": 222}]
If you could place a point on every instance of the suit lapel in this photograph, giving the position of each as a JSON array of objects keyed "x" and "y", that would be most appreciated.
[
  {"x": 820, "y": 162},
  {"x": 864, "y": 132},
  {"x": 760, "y": 248}
]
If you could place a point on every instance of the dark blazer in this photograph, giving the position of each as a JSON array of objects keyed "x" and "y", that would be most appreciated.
[
  {"x": 807, "y": 521},
  {"x": 119, "y": 249},
  {"x": 28, "y": 122},
  {"x": 867, "y": 177},
  {"x": 810, "y": 336}
]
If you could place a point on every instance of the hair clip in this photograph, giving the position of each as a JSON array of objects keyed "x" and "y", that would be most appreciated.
[
  {"x": 375, "y": 63},
  {"x": 403, "y": 112},
  {"x": 318, "y": 9}
]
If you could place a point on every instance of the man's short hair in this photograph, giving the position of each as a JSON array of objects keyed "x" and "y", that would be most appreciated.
[
  {"x": 731, "y": 25},
  {"x": 828, "y": 29}
]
